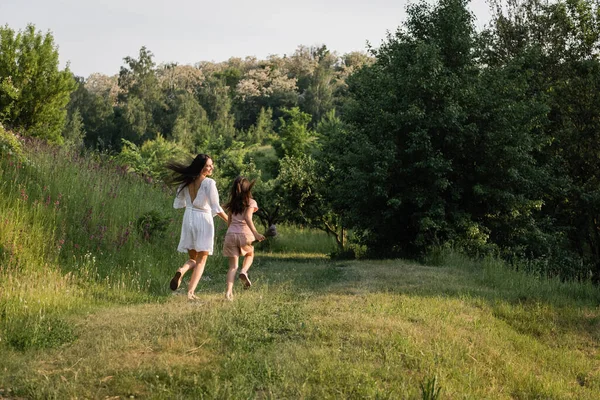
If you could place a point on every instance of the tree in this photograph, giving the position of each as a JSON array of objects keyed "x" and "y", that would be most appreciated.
[
  {"x": 150, "y": 158},
  {"x": 140, "y": 100},
  {"x": 74, "y": 131},
  {"x": 295, "y": 138},
  {"x": 266, "y": 86},
  {"x": 437, "y": 152},
  {"x": 191, "y": 127},
  {"x": 305, "y": 194},
  {"x": 556, "y": 45},
  {"x": 33, "y": 91}
]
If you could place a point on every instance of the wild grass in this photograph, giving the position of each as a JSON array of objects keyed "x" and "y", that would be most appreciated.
[
  {"x": 97, "y": 320},
  {"x": 294, "y": 239}
]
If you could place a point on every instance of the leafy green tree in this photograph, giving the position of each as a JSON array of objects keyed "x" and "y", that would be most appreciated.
[
  {"x": 214, "y": 97},
  {"x": 150, "y": 158},
  {"x": 96, "y": 108},
  {"x": 295, "y": 137},
  {"x": 436, "y": 152},
  {"x": 305, "y": 194},
  {"x": 74, "y": 131},
  {"x": 140, "y": 100},
  {"x": 266, "y": 86},
  {"x": 556, "y": 45},
  {"x": 191, "y": 127},
  {"x": 262, "y": 130},
  {"x": 317, "y": 98},
  {"x": 33, "y": 91}
]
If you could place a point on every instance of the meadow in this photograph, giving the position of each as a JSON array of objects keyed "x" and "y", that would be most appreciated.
[{"x": 86, "y": 311}]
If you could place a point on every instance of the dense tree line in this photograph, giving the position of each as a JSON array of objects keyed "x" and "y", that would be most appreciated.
[{"x": 444, "y": 136}]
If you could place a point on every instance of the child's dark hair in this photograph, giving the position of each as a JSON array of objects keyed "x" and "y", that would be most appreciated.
[
  {"x": 240, "y": 195},
  {"x": 186, "y": 174}
]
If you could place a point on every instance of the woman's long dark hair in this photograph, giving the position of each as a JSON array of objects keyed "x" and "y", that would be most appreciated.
[
  {"x": 186, "y": 174},
  {"x": 240, "y": 195}
]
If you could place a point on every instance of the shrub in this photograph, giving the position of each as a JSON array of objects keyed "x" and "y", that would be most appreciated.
[
  {"x": 10, "y": 145},
  {"x": 152, "y": 225}
]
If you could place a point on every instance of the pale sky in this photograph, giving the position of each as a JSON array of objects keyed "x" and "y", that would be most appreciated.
[{"x": 95, "y": 36}]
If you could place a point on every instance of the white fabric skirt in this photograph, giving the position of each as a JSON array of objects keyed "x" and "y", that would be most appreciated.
[{"x": 197, "y": 231}]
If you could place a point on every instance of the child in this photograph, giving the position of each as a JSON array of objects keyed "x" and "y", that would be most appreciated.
[{"x": 240, "y": 232}]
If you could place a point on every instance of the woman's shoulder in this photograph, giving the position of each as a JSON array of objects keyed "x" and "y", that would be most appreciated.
[{"x": 208, "y": 183}]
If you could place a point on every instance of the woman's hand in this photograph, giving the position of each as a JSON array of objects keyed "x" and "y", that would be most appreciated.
[{"x": 259, "y": 237}]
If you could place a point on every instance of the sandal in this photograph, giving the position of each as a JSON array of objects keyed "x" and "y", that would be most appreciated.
[
  {"x": 244, "y": 278},
  {"x": 176, "y": 281}
]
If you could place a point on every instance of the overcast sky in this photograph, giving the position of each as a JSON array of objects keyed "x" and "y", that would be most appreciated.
[{"x": 95, "y": 35}]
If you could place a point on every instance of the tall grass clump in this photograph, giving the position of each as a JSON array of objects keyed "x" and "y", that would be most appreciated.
[{"x": 517, "y": 281}]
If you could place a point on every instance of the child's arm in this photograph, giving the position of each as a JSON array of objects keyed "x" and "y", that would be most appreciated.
[{"x": 248, "y": 218}]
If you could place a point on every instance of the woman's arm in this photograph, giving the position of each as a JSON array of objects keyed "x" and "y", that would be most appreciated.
[
  {"x": 248, "y": 218},
  {"x": 180, "y": 198},
  {"x": 213, "y": 199},
  {"x": 224, "y": 217}
]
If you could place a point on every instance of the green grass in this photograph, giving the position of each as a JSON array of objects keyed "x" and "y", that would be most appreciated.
[
  {"x": 97, "y": 320},
  {"x": 316, "y": 329},
  {"x": 291, "y": 239}
]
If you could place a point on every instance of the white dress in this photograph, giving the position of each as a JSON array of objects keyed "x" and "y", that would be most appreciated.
[{"x": 198, "y": 229}]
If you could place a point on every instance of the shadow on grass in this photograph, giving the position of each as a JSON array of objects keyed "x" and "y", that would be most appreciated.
[{"x": 529, "y": 305}]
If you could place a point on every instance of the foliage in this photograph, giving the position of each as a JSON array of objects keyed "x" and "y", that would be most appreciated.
[
  {"x": 74, "y": 132},
  {"x": 430, "y": 389},
  {"x": 443, "y": 137},
  {"x": 305, "y": 193},
  {"x": 295, "y": 137},
  {"x": 10, "y": 145},
  {"x": 33, "y": 91},
  {"x": 555, "y": 46},
  {"x": 150, "y": 158},
  {"x": 152, "y": 225},
  {"x": 437, "y": 150}
]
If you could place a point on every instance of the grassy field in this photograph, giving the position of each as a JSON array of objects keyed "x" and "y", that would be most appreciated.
[
  {"x": 86, "y": 311},
  {"x": 311, "y": 328}
]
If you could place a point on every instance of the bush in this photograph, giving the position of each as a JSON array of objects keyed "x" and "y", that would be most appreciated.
[
  {"x": 10, "y": 145},
  {"x": 152, "y": 225}
]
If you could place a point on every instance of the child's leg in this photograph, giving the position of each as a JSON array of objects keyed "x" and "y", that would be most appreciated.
[
  {"x": 233, "y": 266},
  {"x": 198, "y": 271},
  {"x": 248, "y": 258}
]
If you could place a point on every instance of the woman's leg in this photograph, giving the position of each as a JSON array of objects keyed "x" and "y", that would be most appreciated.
[
  {"x": 189, "y": 264},
  {"x": 233, "y": 266},
  {"x": 201, "y": 257},
  {"x": 248, "y": 258}
]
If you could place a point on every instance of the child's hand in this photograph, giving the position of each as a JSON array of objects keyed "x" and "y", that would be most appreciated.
[{"x": 259, "y": 237}]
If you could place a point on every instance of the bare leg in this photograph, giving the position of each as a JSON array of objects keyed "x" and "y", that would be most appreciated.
[
  {"x": 197, "y": 274},
  {"x": 189, "y": 264},
  {"x": 247, "y": 262},
  {"x": 245, "y": 267},
  {"x": 233, "y": 266}
]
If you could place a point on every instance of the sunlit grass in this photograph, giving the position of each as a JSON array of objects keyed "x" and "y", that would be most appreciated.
[
  {"x": 292, "y": 239},
  {"x": 86, "y": 311},
  {"x": 317, "y": 329}
]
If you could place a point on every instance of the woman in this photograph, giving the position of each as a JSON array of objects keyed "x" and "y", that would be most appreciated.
[{"x": 198, "y": 194}]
